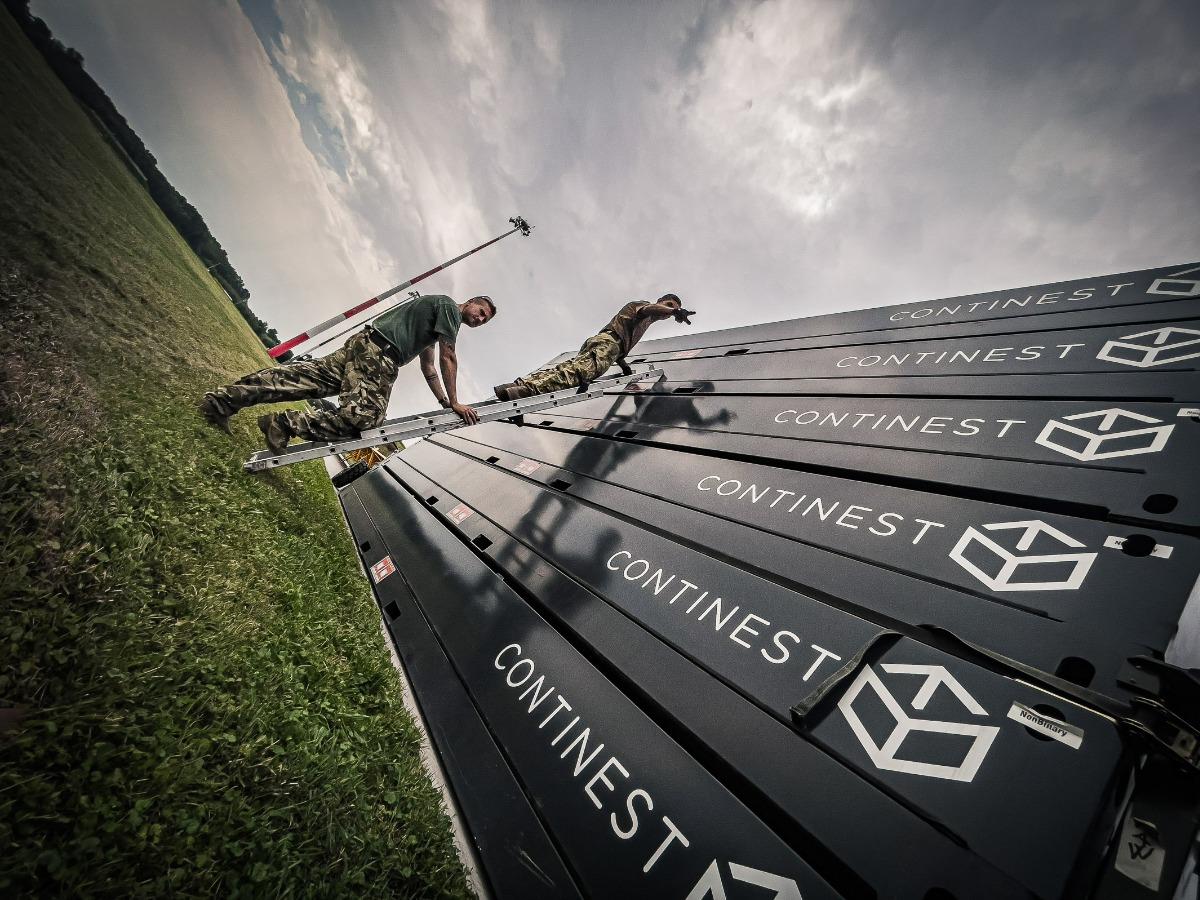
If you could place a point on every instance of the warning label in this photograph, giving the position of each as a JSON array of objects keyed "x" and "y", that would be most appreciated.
[
  {"x": 527, "y": 466},
  {"x": 382, "y": 569},
  {"x": 459, "y": 513}
]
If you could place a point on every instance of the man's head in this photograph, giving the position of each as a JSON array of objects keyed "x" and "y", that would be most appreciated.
[
  {"x": 478, "y": 311},
  {"x": 671, "y": 300}
]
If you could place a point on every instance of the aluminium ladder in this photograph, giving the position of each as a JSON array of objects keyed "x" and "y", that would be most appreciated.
[{"x": 423, "y": 424}]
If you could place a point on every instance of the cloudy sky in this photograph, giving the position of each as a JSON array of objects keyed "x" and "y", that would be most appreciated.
[{"x": 765, "y": 160}]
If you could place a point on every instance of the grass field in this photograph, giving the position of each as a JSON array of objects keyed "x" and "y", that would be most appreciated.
[{"x": 195, "y": 698}]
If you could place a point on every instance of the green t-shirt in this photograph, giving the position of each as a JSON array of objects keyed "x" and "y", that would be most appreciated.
[{"x": 419, "y": 323}]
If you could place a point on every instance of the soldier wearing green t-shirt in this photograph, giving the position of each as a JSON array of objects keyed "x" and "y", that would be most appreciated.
[{"x": 361, "y": 373}]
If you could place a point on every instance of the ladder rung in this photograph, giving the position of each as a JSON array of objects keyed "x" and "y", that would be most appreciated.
[{"x": 408, "y": 427}]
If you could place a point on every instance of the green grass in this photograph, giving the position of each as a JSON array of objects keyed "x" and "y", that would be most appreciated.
[{"x": 195, "y": 698}]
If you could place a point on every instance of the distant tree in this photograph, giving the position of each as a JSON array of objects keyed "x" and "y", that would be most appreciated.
[{"x": 67, "y": 64}]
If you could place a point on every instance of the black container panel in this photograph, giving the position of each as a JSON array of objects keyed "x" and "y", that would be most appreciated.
[
  {"x": 1132, "y": 461},
  {"x": 1052, "y": 567},
  {"x": 518, "y": 857},
  {"x": 1142, "y": 386},
  {"x": 1149, "y": 286},
  {"x": 1171, "y": 346},
  {"x": 1067, "y": 775},
  {"x": 633, "y": 814},
  {"x": 872, "y": 605}
]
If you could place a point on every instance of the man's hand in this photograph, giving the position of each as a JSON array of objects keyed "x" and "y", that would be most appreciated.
[
  {"x": 466, "y": 413},
  {"x": 681, "y": 315}
]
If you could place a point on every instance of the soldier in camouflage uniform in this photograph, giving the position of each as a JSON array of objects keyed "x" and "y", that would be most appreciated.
[
  {"x": 599, "y": 352},
  {"x": 361, "y": 373}
]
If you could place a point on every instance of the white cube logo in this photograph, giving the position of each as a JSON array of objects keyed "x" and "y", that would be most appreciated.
[
  {"x": 1174, "y": 286},
  {"x": 886, "y": 755},
  {"x": 1105, "y": 434},
  {"x": 1159, "y": 347},
  {"x": 1017, "y": 569}
]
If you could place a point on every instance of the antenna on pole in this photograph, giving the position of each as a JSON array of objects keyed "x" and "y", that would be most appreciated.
[{"x": 518, "y": 224}]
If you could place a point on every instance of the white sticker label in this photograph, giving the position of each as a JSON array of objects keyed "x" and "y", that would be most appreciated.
[
  {"x": 1160, "y": 551},
  {"x": 1139, "y": 853},
  {"x": 382, "y": 569},
  {"x": 1063, "y": 732}
]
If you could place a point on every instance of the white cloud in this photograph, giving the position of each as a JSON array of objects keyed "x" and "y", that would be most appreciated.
[
  {"x": 765, "y": 160},
  {"x": 778, "y": 105}
]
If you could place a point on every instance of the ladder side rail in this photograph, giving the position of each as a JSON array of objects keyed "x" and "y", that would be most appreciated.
[{"x": 422, "y": 425}]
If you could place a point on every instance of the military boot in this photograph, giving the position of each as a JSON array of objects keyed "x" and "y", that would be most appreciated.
[
  {"x": 276, "y": 430},
  {"x": 211, "y": 413},
  {"x": 513, "y": 391}
]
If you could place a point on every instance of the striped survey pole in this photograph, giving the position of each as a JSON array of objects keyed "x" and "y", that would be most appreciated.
[{"x": 278, "y": 350}]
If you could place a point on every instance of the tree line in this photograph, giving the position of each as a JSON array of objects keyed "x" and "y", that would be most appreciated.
[{"x": 67, "y": 64}]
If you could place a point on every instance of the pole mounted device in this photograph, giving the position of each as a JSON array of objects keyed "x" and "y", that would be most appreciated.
[{"x": 518, "y": 224}]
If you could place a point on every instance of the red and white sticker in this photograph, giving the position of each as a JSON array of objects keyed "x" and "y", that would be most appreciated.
[
  {"x": 635, "y": 386},
  {"x": 527, "y": 466},
  {"x": 382, "y": 569},
  {"x": 688, "y": 354},
  {"x": 459, "y": 513}
]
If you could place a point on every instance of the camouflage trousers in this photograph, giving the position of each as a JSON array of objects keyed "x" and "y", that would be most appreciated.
[
  {"x": 595, "y": 357},
  {"x": 358, "y": 373}
]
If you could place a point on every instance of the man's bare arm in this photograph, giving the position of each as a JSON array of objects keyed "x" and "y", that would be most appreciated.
[
  {"x": 449, "y": 362},
  {"x": 429, "y": 370}
]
